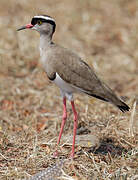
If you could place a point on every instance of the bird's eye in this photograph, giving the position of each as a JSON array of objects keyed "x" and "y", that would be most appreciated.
[{"x": 39, "y": 22}]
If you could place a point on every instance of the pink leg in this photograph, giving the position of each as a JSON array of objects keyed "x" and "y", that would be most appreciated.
[
  {"x": 64, "y": 117},
  {"x": 75, "y": 127}
]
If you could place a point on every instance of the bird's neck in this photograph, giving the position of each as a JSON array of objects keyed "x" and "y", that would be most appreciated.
[
  {"x": 45, "y": 44},
  {"x": 45, "y": 41}
]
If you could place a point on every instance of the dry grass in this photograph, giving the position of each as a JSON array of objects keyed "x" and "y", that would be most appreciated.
[{"x": 105, "y": 34}]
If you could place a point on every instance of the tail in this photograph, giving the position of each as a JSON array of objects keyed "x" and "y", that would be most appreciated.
[
  {"x": 106, "y": 94},
  {"x": 123, "y": 107},
  {"x": 114, "y": 100},
  {"x": 111, "y": 97}
]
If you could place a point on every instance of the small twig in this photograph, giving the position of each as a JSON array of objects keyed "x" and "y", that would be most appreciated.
[
  {"x": 84, "y": 167},
  {"x": 95, "y": 164},
  {"x": 3, "y": 156},
  {"x": 65, "y": 143},
  {"x": 132, "y": 120},
  {"x": 48, "y": 115},
  {"x": 91, "y": 157},
  {"x": 50, "y": 141},
  {"x": 86, "y": 110},
  {"x": 128, "y": 142},
  {"x": 65, "y": 176},
  {"x": 35, "y": 144}
]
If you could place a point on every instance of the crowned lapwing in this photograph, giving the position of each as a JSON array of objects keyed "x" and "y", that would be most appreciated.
[{"x": 69, "y": 72}]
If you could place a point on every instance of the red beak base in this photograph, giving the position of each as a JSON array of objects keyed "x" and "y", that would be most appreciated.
[{"x": 28, "y": 26}]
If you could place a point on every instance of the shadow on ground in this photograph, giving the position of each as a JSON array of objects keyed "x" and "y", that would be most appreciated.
[{"x": 108, "y": 146}]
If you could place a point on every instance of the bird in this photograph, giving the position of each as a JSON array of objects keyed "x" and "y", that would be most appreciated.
[{"x": 69, "y": 72}]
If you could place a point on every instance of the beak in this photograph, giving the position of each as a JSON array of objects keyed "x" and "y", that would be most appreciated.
[{"x": 28, "y": 26}]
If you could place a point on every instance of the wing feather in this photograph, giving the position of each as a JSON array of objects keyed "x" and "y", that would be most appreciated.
[{"x": 76, "y": 72}]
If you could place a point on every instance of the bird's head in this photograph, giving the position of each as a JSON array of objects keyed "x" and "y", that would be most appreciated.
[{"x": 44, "y": 24}]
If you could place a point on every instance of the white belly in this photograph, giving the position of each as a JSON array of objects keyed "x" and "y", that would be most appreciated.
[
  {"x": 63, "y": 85},
  {"x": 66, "y": 88}
]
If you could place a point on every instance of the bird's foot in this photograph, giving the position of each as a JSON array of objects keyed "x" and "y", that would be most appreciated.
[
  {"x": 56, "y": 154},
  {"x": 57, "y": 151},
  {"x": 72, "y": 155}
]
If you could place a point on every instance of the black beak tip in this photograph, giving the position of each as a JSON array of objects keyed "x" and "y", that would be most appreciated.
[{"x": 24, "y": 27}]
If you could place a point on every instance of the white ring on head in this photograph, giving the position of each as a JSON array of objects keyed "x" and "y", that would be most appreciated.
[{"x": 45, "y": 17}]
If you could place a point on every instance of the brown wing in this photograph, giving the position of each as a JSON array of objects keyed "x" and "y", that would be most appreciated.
[{"x": 78, "y": 73}]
